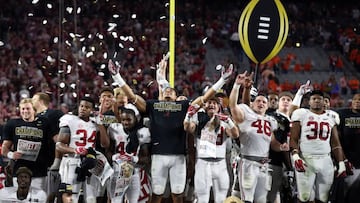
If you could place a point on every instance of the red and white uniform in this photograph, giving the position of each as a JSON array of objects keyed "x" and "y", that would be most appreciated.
[
  {"x": 256, "y": 131},
  {"x": 82, "y": 134},
  {"x": 134, "y": 192},
  {"x": 255, "y": 137},
  {"x": 315, "y": 150},
  {"x": 211, "y": 163}
]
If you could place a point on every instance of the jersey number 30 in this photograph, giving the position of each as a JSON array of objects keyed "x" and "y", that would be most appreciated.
[{"x": 320, "y": 130}]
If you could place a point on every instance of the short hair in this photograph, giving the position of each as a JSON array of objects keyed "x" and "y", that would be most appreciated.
[
  {"x": 286, "y": 93},
  {"x": 327, "y": 96},
  {"x": 25, "y": 101},
  {"x": 88, "y": 99},
  {"x": 106, "y": 89},
  {"x": 24, "y": 169},
  {"x": 44, "y": 97},
  {"x": 317, "y": 92}
]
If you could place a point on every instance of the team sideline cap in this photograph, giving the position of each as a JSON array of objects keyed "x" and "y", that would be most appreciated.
[{"x": 66, "y": 188}]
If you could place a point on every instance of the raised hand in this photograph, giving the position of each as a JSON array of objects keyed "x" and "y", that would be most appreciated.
[
  {"x": 305, "y": 88},
  {"x": 225, "y": 74},
  {"x": 113, "y": 69}
]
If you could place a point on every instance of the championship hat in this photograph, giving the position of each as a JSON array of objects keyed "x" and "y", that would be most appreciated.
[{"x": 66, "y": 188}]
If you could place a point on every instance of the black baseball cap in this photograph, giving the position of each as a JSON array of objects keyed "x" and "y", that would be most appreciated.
[{"x": 66, "y": 188}]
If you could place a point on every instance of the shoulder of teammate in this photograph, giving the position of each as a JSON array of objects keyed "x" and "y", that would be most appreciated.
[
  {"x": 273, "y": 122},
  {"x": 144, "y": 135},
  {"x": 334, "y": 115},
  {"x": 67, "y": 119},
  {"x": 56, "y": 114},
  {"x": 299, "y": 114}
]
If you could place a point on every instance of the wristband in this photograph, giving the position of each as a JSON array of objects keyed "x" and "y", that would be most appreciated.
[
  {"x": 231, "y": 123},
  {"x": 236, "y": 86},
  {"x": 218, "y": 85},
  {"x": 10, "y": 155},
  {"x": 295, "y": 156},
  {"x": 119, "y": 80}
]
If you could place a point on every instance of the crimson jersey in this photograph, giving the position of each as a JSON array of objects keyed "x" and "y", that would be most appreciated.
[
  {"x": 255, "y": 132},
  {"x": 83, "y": 133},
  {"x": 315, "y": 131}
]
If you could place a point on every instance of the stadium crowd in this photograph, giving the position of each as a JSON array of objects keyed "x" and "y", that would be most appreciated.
[{"x": 58, "y": 75}]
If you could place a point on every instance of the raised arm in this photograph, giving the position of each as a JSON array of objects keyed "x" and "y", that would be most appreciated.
[
  {"x": 303, "y": 89},
  {"x": 161, "y": 75},
  {"x": 137, "y": 100},
  {"x": 236, "y": 112},
  {"x": 225, "y": 75}
]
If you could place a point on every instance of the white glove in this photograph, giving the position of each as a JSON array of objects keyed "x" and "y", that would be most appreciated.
[
  {"x": 303, "y": 89},
  {"x": 114, "y": 70}
]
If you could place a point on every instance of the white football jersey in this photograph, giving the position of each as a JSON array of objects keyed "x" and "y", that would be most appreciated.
[
  {"x": 212, "y": 142},
  {"x": 83, "y": 134},
  {"x": 315, "y": 131},
  {"x": 116, "y": 132},
  {"x": 255, "y": 132}
]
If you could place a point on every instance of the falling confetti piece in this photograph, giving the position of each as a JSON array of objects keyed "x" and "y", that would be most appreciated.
[
  {"x": 219, "y": 67},
  {"x": 133, "y": 16},
  {"x": 49, "y": 6},
  {"x": 164, "y": 39},
  {"x": 56, "y": 39},
  {"x": 101, "y": 73},
  {"x": 162, "y": 17},
  {"x": 204, "y": 40},
  {"x": 35, "y": 1},
  {"x": 62, "y": 85},
  {"x": 69, "y": 9}
]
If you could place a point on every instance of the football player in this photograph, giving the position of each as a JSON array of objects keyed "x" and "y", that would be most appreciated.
[
  {"x": 256, "y": 137},
  {"x": 313, "y": 137},
  {"x": 212, "y": 130},
  {"x": 77, "y": 134}
]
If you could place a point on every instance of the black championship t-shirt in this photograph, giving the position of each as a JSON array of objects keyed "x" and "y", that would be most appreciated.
[
  {"x": 166, "y": 126},
  {"x": 53, "y": 116},
  {"x": 350, "y": 135},
  {"x": 31, "y": 139}
]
